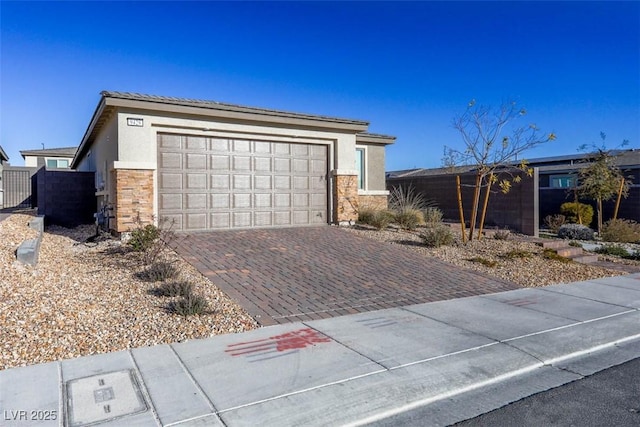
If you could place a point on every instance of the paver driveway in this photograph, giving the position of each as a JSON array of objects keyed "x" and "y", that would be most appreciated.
[{"x": 308, "y": 273}]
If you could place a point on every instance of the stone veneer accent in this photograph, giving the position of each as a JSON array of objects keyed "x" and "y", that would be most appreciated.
[
  {"x": 373, "y": 202},
  {"x": 133, "y": 197},
  {"x": 345, "y": 198}
]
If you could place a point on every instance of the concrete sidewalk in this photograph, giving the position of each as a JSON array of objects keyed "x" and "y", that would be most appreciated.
[{"x": 460, "y": 357}]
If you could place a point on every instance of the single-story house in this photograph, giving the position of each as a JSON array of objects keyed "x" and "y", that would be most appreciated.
[
  {"x": 207, "y": 165},
  {"x": 52, "y": 158},
  {"x": 3, "y": 159}
]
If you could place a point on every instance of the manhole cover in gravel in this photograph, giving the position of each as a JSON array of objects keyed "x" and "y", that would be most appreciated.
[{"x": 103, "y": 397}]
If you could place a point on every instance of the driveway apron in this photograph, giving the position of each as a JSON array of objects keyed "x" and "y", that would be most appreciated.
[{"x": 309, "y": 273}]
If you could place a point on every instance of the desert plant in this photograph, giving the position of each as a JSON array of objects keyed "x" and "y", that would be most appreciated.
[
  {"x": 554, "y": 222},
  {"x": 381, "y": 219},
  {"x": 553, "y": 255},
  {"x": 437, "y": 236},
  {"x": 576, "y": 212},
  {"x": 408, "y": 219},
  {"x": 365, "y": 215},
  {"x": 502, "y": 235},
  {"x": 621, "y": 230},
  {"x": 614, "y": 250},
  {"x": 575, "y": 244},
  {"x": 191, "y": 304},
  {"x": 143, "y": 237},
  {"x": 517, "y": 253},
  {"x": 432, "y": 216},
  {"x": 174, "y": 289},
  {"x": 159, "y": 271},
  {"x": 575, "y": 232},
  {"x": 483, "y": 261},
  {"x": 403, "y": 198}
]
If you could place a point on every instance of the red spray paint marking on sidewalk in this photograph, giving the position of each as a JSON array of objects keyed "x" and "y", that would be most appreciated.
[{"x": 294, "y": 340}]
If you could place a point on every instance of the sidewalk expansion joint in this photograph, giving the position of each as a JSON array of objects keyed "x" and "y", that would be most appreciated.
[
  {"x": 144, "y": 389},
  {"x": 193, "y": 380}
]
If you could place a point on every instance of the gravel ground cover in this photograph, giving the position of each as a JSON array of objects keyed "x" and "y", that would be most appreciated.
[
  {"x": 83, "y": 299},
  {"x": 517, "y": 259}
]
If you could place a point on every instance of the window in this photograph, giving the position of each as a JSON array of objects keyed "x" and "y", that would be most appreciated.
[
  {"x": 360, "y": 167},
  {"x": 562, "y": 181},
  {"x": 58, "y": 163}
]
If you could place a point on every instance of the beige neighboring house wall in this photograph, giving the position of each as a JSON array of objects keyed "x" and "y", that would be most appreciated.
[
  {"x": 121, "y": 146},
  {"x": 52, "y": 158}
]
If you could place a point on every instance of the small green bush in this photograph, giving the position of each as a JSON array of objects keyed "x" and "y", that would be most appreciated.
[
  {"x": 502, "y": 235},
  {"x": 408, "y": 219},
  {"x": 174, "y": 289},
  {"x": 381, "y": 219},
  {"x": 432, "y": 216},
  {"x": 190, "y": 304},
  {"x": 437, "y": 236},
  {"x": 160, "y": 271},
  {"x": 571, "y": 209},
  {"x": 621, "y": 231},
  {"x": 517, "y": 253},
  {"x": 575, "y": 244},
  {"x": 143, "y": 238},
  {"x": 614, "y": 250},
  {"x": 554, "y": 222},
  {"x": 575, "y": 232}
]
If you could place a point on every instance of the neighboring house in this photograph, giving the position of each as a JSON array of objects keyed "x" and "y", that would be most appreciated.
[
  {"x": 3, "y": 159},
  {"x": 208, "y": 165},
  {"x": 553, "y": 186},
  {"x": 52, "y": 158}
]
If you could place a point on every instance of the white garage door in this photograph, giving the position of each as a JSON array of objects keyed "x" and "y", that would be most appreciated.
[{"x": 214, "y": 183}]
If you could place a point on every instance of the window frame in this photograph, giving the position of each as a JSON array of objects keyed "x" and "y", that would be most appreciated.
[{"x": 361, "y": 157}]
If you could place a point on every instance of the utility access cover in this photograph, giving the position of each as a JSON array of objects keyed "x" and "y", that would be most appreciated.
[{"x": 103, "y": 397}]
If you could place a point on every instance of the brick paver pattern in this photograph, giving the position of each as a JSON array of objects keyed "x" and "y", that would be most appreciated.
[{"x": 309, "y": 273}]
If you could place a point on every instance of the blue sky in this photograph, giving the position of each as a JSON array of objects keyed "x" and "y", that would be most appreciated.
[{"x": 406, "y": 67}]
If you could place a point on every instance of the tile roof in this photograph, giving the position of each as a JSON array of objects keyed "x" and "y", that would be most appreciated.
[{"x": 53, "y": 152}]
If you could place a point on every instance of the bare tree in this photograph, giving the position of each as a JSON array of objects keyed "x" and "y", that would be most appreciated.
[
  {"x": 602, "y": 179},
  {"x": 493, "y": 144}
]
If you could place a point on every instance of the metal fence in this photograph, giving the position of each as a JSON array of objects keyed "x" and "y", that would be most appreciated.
[{"x": 16, "y": 183}]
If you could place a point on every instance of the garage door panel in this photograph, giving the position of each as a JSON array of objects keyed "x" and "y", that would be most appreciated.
[
  {"x": 196, "y": 143},
  {"x": 170, "y": 161},
  {"x": 173, "y": 219},
  {"x": 220, "y": 201},
  {"x": 219, "y": 183},
  {"x": 220, "y": 220},
  {"x": 195, "y": 201},
  {"x": 241, "y": 219},
  {"x": 196, "y": 161},
  {"x": 195, "y": 221},
  {"x": 197, "y": 181}
]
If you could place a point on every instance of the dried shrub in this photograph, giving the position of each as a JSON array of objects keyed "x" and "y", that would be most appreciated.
[
  {"x": 437, "y": 236},
  {"x": 517, "y": 253},
  {"x": 174, "y": 289},
  {"x": 150, "y": 240},
  {"x": 382, "y": 219},
  {"x": 571, "y": 210},
  {"x": 191, "y": 304},
  {"x": 483, "y": 261},
  {"x": 553, "y": 255},
  {"x": 575, "y": 232},
  {"x": 554, "y": 222},
  {"x": 621, "y": 231},
  {"x": 502, "y": 235},
  {"x": 159, "y": 271},
  {"x": 432, "y": 216},
  {"x": 575, "y": 244},
  {"x": 408, "y": 219},
  {"x": 365, "y": 215},
  {"x": 405, "y": 198}
]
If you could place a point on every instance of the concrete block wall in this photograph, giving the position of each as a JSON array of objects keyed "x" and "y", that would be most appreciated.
[{"x": 65, "y": 198}]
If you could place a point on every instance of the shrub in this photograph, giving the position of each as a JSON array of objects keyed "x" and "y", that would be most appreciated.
[
  {"x": 614, "y": 250},
  {"x": 160, "y": 271},
  {"x": 621, "y": 230},
  {"x": 403, "y": 198},
  {"x": 554, "y": 222},
  {"x": 501, "y": 235},
  {"x": 553, "y": 255},
  {"x": 483, "y": 261},
  {"x": 517, "y": 253},
  {"x": 575, "y": 232},
  {"x": 174, "y": 289},
  {"x": 381, "y": 219},
  {"x": 365, "y": 215},
  {"x": 142, "y": 238},
  {"x": 571, "y": 209},
  {"x": 190, "y": 304},
  {"x": 432, "y": 216},
  {"x": 408, "y": 219},
  {"x": 437, "y": 236}
]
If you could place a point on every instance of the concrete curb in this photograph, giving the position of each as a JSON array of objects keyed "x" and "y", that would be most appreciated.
[{"x": 29, "y": 250}]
